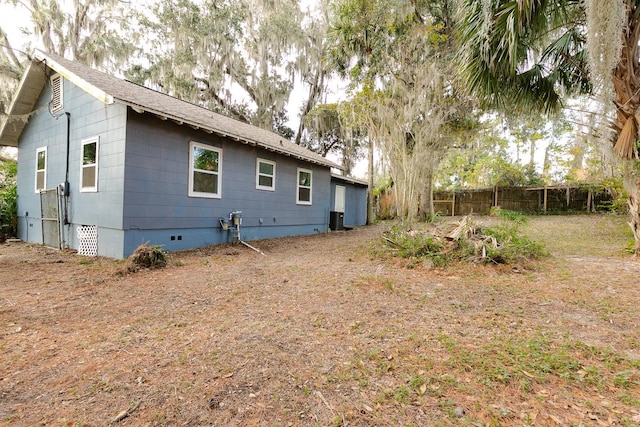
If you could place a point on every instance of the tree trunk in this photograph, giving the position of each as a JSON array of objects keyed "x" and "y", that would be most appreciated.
[
  {"x": 532, "y": 148},
  {"x": 632, "y": 185},
  {"x": 626, "y": 83},
  {"x": 545, "y": 163},
  {"x": 370, "y": 185},
  {"x": 315, "y": 91},
  {"x": 428, "y": 208}
]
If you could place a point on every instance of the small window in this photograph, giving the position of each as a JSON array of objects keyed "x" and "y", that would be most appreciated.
[
  {"x": 266, "y": 175},
  {"x": 89, "y": 166},
  {"x": 41, "y": 169},
  {"x": 304, "y": 186},
  {"x": 205, "y": 165},
  {"x": 56, "y": 94}
]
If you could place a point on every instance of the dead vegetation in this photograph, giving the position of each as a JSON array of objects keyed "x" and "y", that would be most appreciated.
[
  {"x": 466, "y": 241},
  {"x": 320, "y": 332},
  {"x": 147, "y": 257}
]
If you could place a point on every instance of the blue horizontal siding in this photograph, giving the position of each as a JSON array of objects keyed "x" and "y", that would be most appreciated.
[
  {"x": 202, "y": 237},
  {"x": 355, "y": 206},
  {"x": 88, "y": 118},
  {"x": 157, "y": 204}
]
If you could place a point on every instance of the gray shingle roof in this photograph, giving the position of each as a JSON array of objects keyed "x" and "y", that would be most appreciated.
[{"x": 141, "y": 99}]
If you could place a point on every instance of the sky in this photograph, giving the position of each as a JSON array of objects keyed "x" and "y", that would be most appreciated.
[{"x": 11, "y": 20}]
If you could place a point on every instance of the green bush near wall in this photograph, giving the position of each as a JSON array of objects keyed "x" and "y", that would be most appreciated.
[{"x": 8, "y": 199}]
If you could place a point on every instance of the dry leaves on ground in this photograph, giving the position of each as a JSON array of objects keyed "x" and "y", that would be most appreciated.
[{"x": 321, "y": 332}]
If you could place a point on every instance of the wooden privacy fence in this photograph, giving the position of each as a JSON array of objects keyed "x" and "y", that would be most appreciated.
[{"x": 521, "y": 199}]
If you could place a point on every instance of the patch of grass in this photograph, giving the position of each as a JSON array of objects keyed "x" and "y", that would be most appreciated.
[
  {"x": 631, "y": 400},
  {"x": 524, "y": 362},
  {"x": 339, "y": 420},
  {"x": 417, "y": 382},
  {"x": 403, "y": 394},
  {"x": 306, "y": 391},
  {"x": 606, "y": 307},
  {"x": 512, "y": 245},
  {"x": 626, "y": 379},
  {"x": 581, "y": 235}
]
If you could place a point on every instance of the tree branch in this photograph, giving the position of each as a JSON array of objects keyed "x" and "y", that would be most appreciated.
[{"x": 9, "y": 50}]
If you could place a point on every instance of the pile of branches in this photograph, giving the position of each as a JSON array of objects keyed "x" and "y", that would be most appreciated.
[
  {"x": 146, "y": 257},
  {"x": 464, "y": 241}
]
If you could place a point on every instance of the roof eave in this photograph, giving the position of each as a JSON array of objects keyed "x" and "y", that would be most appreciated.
[
  {"x": 350, "y": 179},
  {"x": 183, "y": 121},
  {"x": 75, "y": 79},
  {"x": 22, "y": 105},
  {"x": 29, "y": 90}
]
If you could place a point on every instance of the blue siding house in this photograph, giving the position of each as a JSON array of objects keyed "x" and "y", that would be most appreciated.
[
  {"x": 348, "y": 202},
  {"x": 105, "y": 165}
]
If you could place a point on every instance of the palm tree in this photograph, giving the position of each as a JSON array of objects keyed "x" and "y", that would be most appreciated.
[{"x": 529, "y": 53}]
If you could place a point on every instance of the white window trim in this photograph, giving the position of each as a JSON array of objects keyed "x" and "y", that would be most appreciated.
[
  {"x": 192, "y": 193},
  {"x": 258, "y": 175},
  {"x": 298, "y": 186},
  {"x": 46, "y": 161},
  {"x": 57, "y": 106},
  {"x": 96, "y": 140}
]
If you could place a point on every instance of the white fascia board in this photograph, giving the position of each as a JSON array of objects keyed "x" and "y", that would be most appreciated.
[{"x": 99, "y": 94}]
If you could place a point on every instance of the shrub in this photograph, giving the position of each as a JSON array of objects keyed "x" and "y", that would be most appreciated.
[
  {"x": 412, "y": 244},
  {"x": 511, "y": 245},
  {"x": 619, "y": 196},
  {"x": 8, "y": 199}
]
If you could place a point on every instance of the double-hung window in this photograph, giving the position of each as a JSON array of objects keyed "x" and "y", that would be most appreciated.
[
  {"x": 89, "y": 165},
  {"x": 41, "y": 169},
  {"x": 205, "y": 171},
  {"x": 265, "y": 175},
  {"x": 304, "y": 187}
]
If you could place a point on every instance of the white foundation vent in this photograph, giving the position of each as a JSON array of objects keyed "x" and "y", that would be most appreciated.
[{"x": 88, "y": 240}]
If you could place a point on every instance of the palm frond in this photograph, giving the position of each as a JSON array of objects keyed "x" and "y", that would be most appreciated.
[
  {"x": 499, "y": 48},
  {"x": 625, "y": 145}
]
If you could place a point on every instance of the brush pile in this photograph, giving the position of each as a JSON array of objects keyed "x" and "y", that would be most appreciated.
[
  {"x": 465, "y": 241},
  {"x": 145, "y": 256}
]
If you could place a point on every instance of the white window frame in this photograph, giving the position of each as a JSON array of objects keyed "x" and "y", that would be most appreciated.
[
  {"x": 44, "y": 171},
  {"x": 298, "y": 187},
  {"x": 83, "y": 166},
  {"x": 259, "y": 174},
  {"x": 57, "y": 102},
  {"x": 193, "y": 193}
]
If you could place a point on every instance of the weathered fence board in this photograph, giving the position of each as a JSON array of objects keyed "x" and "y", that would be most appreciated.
[{"x": 521, "y": 199}]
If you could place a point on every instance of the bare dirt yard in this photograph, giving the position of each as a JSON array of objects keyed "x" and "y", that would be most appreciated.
[{"x": 320, "y": 332}]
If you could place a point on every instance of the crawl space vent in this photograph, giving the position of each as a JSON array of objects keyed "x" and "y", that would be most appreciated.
[
  {"x": 88, "y": 240},
  {"x": 56, "y": 94}
]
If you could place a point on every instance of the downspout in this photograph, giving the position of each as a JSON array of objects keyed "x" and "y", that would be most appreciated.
[{"x": 66, "y": 174}]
